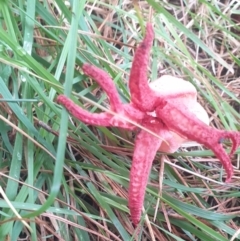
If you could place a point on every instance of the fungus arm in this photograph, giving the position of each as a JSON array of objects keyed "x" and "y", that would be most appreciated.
[
  {"x": 96, "y": 119},
  {"x": 146, "y": 146},
  {"x": 187, "y": 124},
  {"x": 141, "y": 94},
  {"x": 106, "y": 83}
]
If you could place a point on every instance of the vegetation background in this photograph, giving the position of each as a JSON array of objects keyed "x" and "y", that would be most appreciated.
[{"x": 64, "y": 180}]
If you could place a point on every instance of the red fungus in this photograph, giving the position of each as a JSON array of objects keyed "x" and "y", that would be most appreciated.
[{"x": 168, "y": 107}]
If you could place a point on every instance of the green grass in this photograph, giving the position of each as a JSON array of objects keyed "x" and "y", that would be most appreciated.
[{"x": 70, "y": 181}]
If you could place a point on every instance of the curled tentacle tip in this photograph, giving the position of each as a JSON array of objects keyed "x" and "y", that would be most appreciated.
[
  {"x": 228, "y": 179},
  {"x": 229, "y": 173},
  {"x": 234, "y": 136},
  {"x": 149, "y": 26},
  {"x": 86, "y": 68},
  {"x": 86, "y": 65},
  {"x": 135, "y": 215},
  {"x": 135, "y": 222},
  {"x": 60, "y": 99},
  {"x": 149, "y": 31}
]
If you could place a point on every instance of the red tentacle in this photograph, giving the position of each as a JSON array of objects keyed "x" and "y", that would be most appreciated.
[
  {"x": 97, "y": 119},
  {"x": 146, "y": 146},
  {"x": 104, "y": 80},
  {"x": 141, "y": 94},
  {"x": 187, "y": 124},
  {"x": 101, "y": 119}
]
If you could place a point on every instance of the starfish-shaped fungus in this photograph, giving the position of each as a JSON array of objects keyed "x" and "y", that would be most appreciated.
[{"x": 168, "y": 107}]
